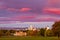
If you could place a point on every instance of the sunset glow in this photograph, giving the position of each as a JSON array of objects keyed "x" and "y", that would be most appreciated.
[{"x": 29, "y": 10}]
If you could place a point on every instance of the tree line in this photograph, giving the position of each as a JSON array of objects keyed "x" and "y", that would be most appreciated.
[{"x": 54, "y": 31}]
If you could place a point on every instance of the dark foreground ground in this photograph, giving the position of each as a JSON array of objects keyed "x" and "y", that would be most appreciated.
[{"x": 27, "y": 38}]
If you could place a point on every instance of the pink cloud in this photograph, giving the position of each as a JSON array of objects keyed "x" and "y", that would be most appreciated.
[
  {"x": 25, "y": 9},
  {"x": 17, "y": 18},
  {"x": 48, "y": 19},
  {"x": 11, "y": 9},
  {"x": 20, "y": 10},
  {"x": 24, "y": 17},
  {"x": 53, "y": 1},
  {"x": 31, "y": 18},
  {"x": 52, "y": 10},
  {"x": 4, "y": 18}
]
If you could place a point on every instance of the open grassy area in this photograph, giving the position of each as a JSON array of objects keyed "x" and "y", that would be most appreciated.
[{"x": 28, "y": 38}]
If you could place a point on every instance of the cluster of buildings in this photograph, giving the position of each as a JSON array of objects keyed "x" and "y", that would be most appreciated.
[{"x": 22, "y": 32}]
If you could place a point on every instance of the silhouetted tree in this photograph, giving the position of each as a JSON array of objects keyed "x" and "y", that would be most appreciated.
[
  {"x": 49, "y": 33},
  {"x": 42, "y": 32},
  {"x": 1, "y": 33},
  {"x": 56, "y": 28}
]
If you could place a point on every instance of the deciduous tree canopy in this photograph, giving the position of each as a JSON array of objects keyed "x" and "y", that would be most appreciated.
[{"x": 56, "y": 28}]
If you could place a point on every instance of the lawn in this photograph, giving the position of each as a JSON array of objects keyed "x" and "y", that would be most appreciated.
[{"x": 28, "y": 38}]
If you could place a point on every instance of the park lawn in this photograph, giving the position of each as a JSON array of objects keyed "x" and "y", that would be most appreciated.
[{"x": 27, "y": 38}]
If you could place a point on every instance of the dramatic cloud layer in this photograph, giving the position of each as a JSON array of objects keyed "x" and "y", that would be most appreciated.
[
  {"x": 52, "y": 10},
  {"x": 25, "y": 9},
  {"x": 29, "y": 10}
]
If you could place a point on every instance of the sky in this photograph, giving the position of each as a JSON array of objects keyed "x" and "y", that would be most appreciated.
[
  {"x": 44, "y": 11},
  {"x": 18, "y": 24}
]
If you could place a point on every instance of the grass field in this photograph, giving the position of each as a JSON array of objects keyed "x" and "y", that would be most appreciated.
[{"x": 28, "y": 38}]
